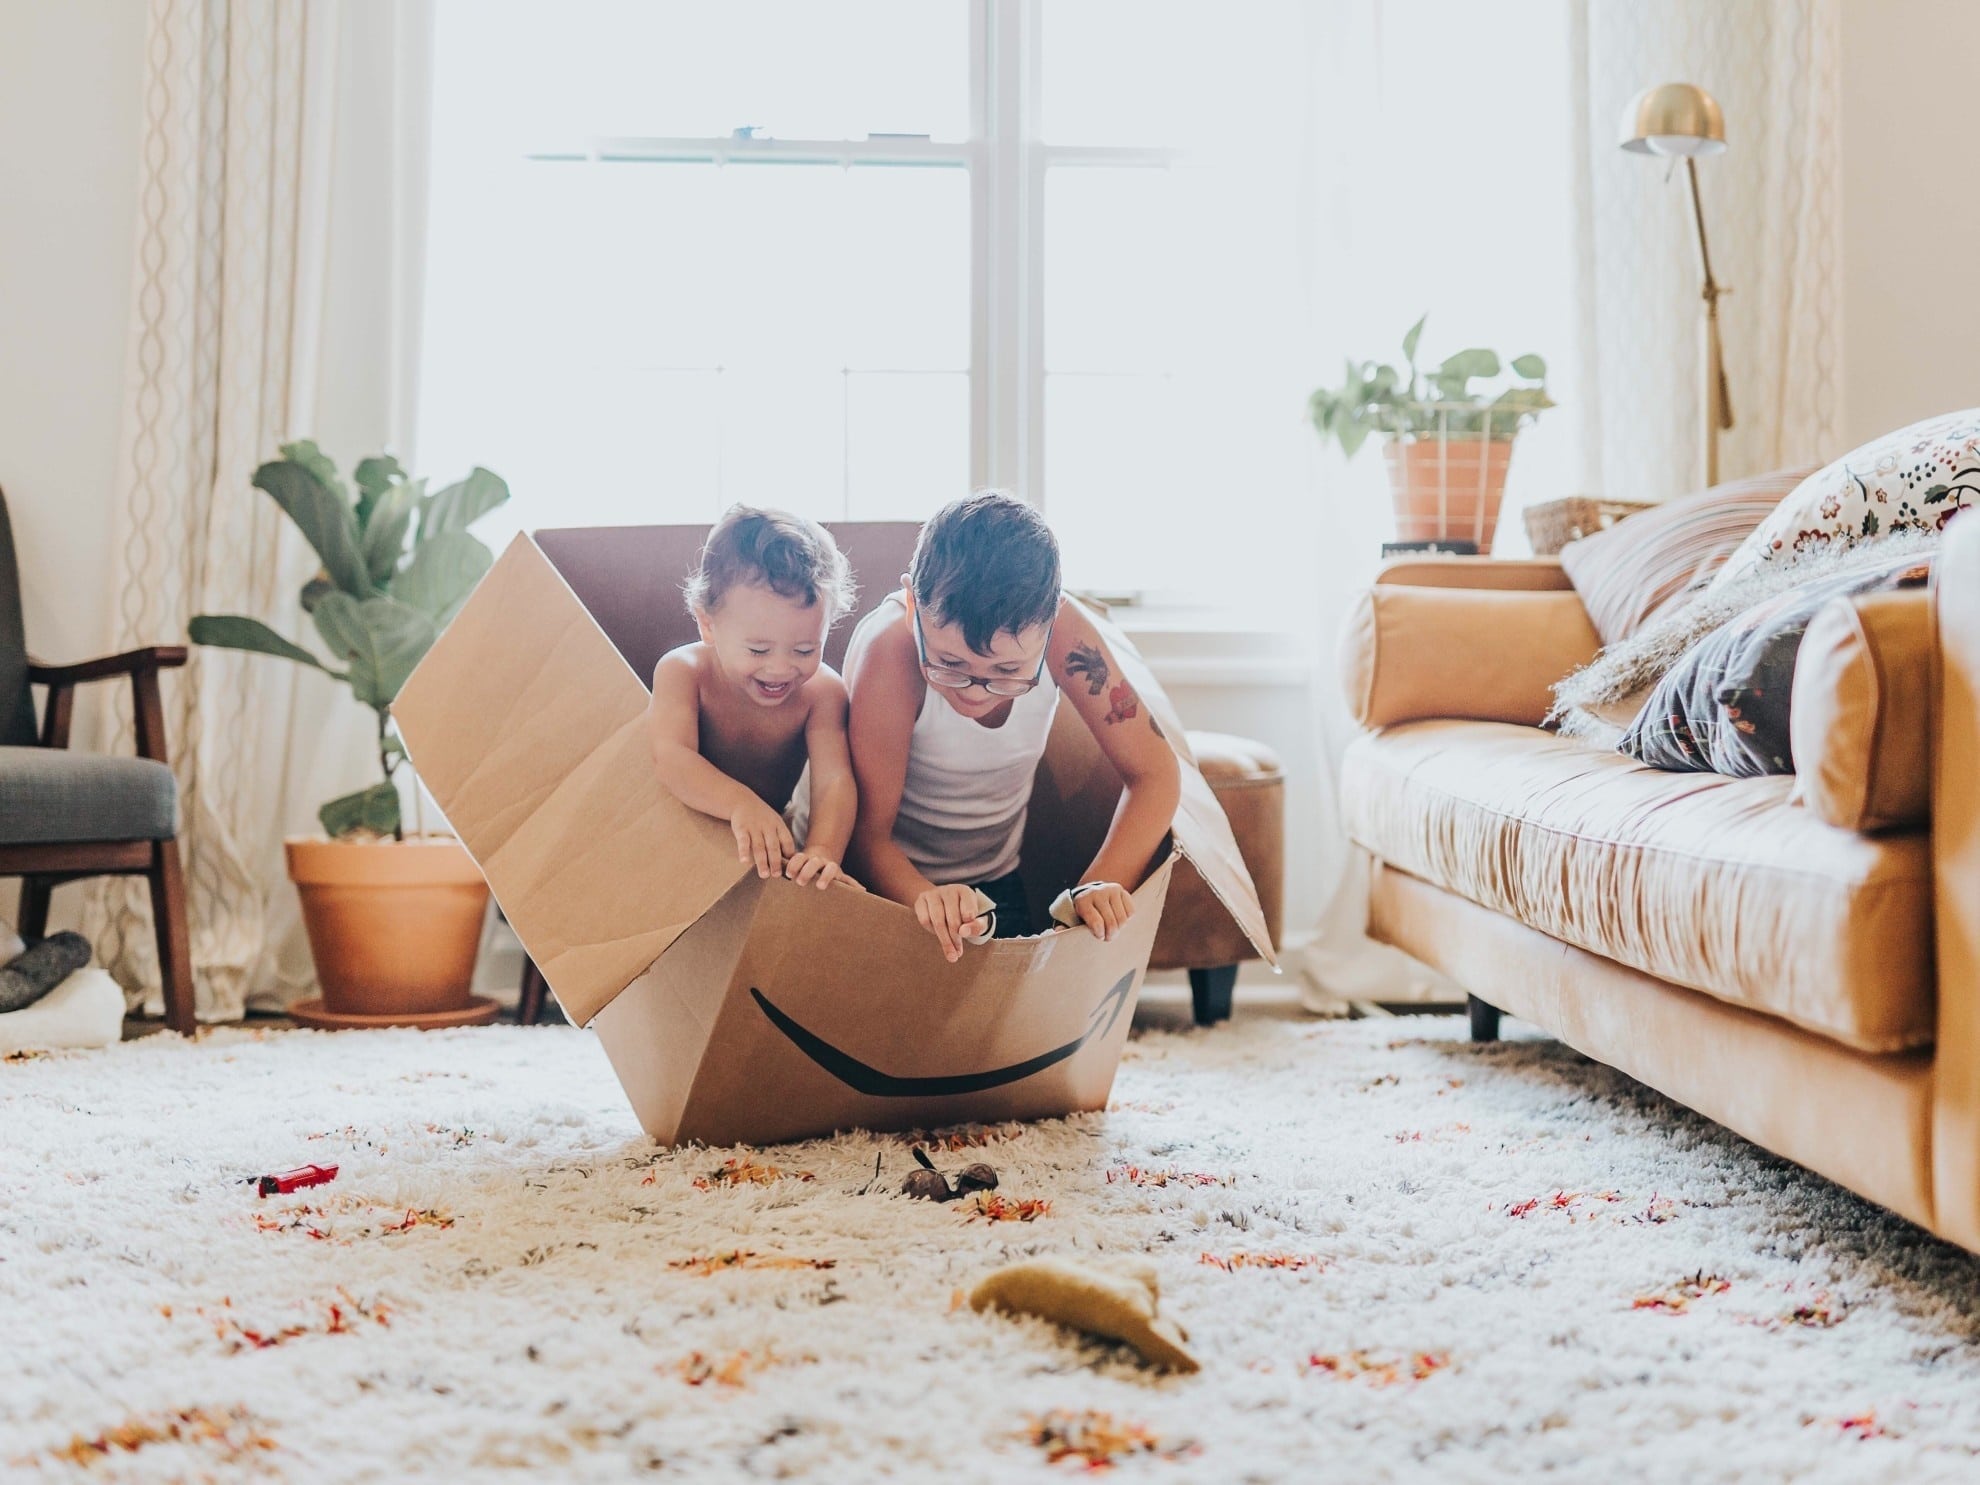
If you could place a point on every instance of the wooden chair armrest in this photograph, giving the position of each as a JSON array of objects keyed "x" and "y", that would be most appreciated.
[
  {"x": 142, "y": 666},
  {"x": 106, "y": 667}
]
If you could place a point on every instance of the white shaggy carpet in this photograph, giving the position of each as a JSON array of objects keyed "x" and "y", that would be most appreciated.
[{"x": 1400, "y": 1256}]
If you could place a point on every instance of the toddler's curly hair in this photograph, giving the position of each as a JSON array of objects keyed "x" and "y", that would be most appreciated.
[{"x": 787, "y": 554}]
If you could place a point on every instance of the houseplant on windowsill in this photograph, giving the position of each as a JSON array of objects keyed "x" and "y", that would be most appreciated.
[
  {"x": 1448, "y": 446},
  {"x": 393, "y": 922}
]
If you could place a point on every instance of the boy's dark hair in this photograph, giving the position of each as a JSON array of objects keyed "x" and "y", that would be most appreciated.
[
  {"x": 987, "y": 563},
  {"x": 787, "y": 554}
]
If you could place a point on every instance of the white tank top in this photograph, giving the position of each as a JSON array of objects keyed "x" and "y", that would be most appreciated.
[{"x": 961, "y": 817}]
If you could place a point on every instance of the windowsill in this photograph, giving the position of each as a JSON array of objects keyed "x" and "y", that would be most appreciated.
[{"x": 1190, "y": 645}]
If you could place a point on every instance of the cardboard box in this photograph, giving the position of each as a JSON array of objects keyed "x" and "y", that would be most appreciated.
[{"x": 736, "y": 1010}]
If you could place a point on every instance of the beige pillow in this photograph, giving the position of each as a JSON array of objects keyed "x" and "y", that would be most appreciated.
[{"x": 1627, "y": 574}]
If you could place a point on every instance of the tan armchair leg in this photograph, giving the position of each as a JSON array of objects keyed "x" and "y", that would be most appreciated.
[{"x": 168, "y": 915}]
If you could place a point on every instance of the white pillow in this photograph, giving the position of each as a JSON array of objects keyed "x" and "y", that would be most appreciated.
[{"x": 1916, "y": 479}]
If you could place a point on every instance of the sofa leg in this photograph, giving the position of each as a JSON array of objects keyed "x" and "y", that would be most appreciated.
[
  {"x": 1484, "y": 1019},
  {"x": 1210, "y": 993}
]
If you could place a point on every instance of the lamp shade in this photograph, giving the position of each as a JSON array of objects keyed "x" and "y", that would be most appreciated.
[{"x": 1673, "y": 119}]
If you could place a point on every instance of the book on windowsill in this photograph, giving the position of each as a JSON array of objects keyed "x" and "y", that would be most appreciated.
[{"x": 1442, "y": 547}]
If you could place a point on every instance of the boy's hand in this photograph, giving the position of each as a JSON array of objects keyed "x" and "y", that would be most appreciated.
[
  {"x": 808, "y": 869},
  {"x": 762, "y": 838},
  {"x": 1105, "y": 908},
  {"x": 950, "y": 914}
]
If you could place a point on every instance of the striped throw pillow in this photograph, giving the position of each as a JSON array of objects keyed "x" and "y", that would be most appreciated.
[{"x": 1627, "y": 574}]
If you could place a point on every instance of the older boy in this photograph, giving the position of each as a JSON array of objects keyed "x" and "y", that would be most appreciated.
[{"x": 953, "y": 683}]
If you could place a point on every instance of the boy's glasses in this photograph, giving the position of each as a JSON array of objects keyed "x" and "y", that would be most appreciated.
[{"x": 956, "y": 680}]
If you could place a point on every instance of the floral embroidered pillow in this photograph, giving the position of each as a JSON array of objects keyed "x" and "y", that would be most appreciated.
[{"x": 1916, "y": 479}]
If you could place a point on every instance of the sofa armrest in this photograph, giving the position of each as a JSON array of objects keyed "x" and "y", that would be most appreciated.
[
  {"x": 1955, "y": 733},
  {"x": 1862, "y": 690},
  {"x": 1539, "y": 573},
  {"x": 1492, "y": 655}
]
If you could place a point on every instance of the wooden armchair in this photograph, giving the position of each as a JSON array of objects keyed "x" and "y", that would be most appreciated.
[{"x": 66, "y": 815}]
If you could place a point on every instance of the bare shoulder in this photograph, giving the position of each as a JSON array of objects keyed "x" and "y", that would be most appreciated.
[
  {"x": 827, "y": 688},
  {"x": 883, "y": 645},
  {"x": 677, "y": 675}
]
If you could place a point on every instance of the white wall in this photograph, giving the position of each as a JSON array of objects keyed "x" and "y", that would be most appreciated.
[
  {"x": 1911, "y": 215},
  {"x": 69, "y": 110}
]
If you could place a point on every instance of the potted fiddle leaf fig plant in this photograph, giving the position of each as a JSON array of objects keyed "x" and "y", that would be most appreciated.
[
  {"x": 394, "y": 919},
  {"x": 1449, "y": 444}
]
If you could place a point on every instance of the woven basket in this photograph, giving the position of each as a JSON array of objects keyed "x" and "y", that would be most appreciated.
[{"x": 1552, "y": 526}]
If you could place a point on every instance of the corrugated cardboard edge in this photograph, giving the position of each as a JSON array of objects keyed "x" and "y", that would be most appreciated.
[
  {"x": 529, "y": 730},
  {"x": 1202, "y": 831}
]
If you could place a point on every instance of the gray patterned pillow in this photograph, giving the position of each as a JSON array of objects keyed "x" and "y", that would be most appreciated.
[{"x": 1724, "y": 707}]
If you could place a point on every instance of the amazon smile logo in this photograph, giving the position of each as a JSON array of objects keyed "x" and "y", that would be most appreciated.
[{"x": 864, "y": 1078}]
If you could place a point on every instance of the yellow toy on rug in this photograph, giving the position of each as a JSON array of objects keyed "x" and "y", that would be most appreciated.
[{"x": 1117, "y": 1303}]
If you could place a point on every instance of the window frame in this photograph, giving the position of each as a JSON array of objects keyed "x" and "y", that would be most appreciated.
[{"x": 1008, "y": 165}]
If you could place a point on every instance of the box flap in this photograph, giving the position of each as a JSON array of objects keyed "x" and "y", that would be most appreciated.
[
  {"x": 529, "y": 731},
  {"x": 1202, "y": 832}
]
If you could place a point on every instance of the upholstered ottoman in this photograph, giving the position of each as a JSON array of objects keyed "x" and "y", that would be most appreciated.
[{"x": 1197, "y": 934}]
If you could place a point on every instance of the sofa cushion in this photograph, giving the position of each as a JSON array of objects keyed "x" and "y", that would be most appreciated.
[
  {"x": 1408, "y": 653},
  {"x": 1631, "y": 572},
  {"x": 51, "y": 796},
  {"x": 1708, "y": 882},
  {"x": 1862, "y": 708}
]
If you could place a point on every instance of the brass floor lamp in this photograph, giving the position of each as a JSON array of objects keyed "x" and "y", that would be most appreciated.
[{"x": 1680, "y": 121}]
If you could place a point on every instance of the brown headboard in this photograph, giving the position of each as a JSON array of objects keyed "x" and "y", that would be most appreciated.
[{"x": 630, "y": 578}]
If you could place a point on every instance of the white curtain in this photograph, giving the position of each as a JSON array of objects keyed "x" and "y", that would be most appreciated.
[
  {"x": 250, "y": 136},
  {"x": 1772, "y": 214}
]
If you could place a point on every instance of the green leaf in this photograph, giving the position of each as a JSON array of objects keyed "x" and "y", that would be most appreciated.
[
  {"x": 1353, "y": 435},
  {"x": 322, "y": 468},
  {"x": 326, "y": 520},
  {"x": 1530, "y": 366},
  {"x": 1934, "y": 494},
  {"x": 1463, "y": 365},
  {"x": 375, "y": 810},
  {"x": 313, "y": 591},
  {"x": 381, "y": 638},
  {"x": 374, "y": 477},
  {"x": 393, "y": 746},
  {"x": 237, "y": 632},
  {"x": 1409, "y": 341},
  {"x": 385, "y": 536},
  {"x": 1870, "y": 523},
  {"x": 442, "y": 573},
  {"x": 459, "y": 506}
]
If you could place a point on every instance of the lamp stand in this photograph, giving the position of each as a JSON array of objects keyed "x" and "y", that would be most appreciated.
[{"x": 1718, "y": 396}]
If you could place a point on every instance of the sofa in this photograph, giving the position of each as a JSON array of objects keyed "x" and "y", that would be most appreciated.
[{"x": 1796, "y": 957}]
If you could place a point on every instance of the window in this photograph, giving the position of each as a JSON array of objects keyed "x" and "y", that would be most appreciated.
[{"x": 855, "y": 259}]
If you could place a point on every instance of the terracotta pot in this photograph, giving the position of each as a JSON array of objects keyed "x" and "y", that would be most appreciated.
[
  {"x": 393, "y": 925},
  {"x": 1447, "y": 490}
]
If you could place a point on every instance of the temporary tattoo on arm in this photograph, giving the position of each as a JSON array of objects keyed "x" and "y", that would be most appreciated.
[
  {"x": 1122, "y": 707},
  {"x": 1085, "y": 660}
]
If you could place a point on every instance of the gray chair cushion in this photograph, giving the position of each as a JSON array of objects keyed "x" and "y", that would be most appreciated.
[{"x": 50, "y": 795}]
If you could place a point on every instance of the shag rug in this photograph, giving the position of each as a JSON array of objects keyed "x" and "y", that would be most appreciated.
[{"x": 1400, "y": 1256}]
